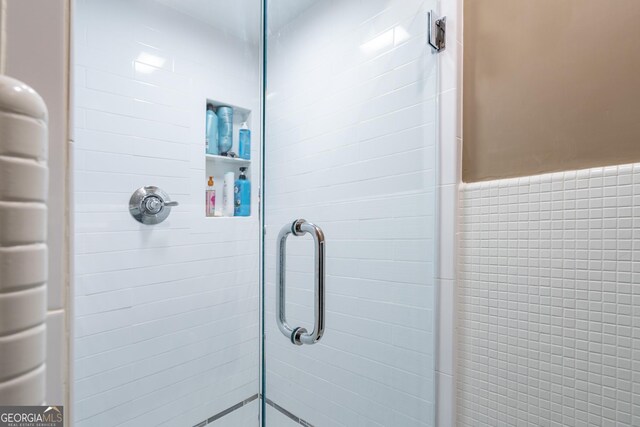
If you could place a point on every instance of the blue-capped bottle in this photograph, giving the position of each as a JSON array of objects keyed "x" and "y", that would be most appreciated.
[
  {"x": 211, "y": 130},
  {"x": 242, "y": 195},
  {"x": 244, "y": 142}
]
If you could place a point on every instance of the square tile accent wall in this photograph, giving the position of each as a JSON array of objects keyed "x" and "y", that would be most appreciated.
[
  {"x": 166, "y": 316},
  {"x": 549, "y": 300}
]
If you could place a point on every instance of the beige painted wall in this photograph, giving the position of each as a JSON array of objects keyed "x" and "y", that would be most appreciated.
[{"x": 550, "y": 85}]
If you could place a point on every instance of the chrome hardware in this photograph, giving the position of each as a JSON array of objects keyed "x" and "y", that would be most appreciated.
[
  {"x": 437, "y": 31},
  {"x": 150, "y": 205},
  {"x": 299, "y": 335}
]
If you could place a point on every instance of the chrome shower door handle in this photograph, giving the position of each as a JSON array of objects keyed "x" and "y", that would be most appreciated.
[{"x": 300, "y": 335}]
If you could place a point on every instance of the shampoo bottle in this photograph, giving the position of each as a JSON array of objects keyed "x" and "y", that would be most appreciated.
[
  {"x": 225, "y": 129},
  {"x": 211, "y": 198},
  {"x": 242, "y": 195},
  {"x": 244, "y": 142},
  {"x": 212, "y": 130},
  {"x": 227, "y": 194}
]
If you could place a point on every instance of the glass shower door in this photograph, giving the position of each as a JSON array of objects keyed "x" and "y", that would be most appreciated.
[{"x": 350, "y": 148}]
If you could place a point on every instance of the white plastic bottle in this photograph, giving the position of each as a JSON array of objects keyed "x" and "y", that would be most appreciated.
[{"x": 227, "y": 194}]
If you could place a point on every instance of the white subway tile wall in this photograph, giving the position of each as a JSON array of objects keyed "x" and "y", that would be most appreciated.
[
  {"x": 166, "y": 316},
  {"x": 549, "y": 300},
  {"x": 351, "y": 147}
]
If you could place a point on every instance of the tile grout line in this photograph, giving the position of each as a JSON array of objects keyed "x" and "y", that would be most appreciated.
[
  {"x": 288, "y": 414},
  {"x": 227, "y": 411}
]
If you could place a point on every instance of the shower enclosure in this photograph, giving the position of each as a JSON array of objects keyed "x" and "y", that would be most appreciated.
[{"x": 316, "y": 309}]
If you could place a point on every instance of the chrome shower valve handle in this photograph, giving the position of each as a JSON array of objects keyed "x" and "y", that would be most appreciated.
[{"x": 150, "y": 205}]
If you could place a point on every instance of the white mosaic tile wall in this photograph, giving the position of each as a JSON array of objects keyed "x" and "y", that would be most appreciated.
[{"x": 549, "y": 300}]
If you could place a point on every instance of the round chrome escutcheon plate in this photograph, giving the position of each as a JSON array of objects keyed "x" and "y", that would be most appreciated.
[{"x": 150, "y": 205}]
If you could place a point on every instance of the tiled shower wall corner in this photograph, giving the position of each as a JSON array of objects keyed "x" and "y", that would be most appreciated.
[
  {"x": 449, "y": 165},
  {"x": 549, "y": 300},
  {"x": 166, "y": 316},
  {"x": 351, "y": 146}
]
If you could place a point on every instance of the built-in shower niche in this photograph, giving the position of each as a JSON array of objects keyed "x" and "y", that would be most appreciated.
[{"x": 217, "y": 165}]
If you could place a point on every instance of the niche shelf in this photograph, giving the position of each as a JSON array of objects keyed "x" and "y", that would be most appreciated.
[
  {"x": 233, "y": 160},
  {"x": 217, "y": 165}
]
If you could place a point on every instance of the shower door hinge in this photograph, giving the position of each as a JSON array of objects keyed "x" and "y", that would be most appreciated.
[{"x": 437, "y": 31}]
